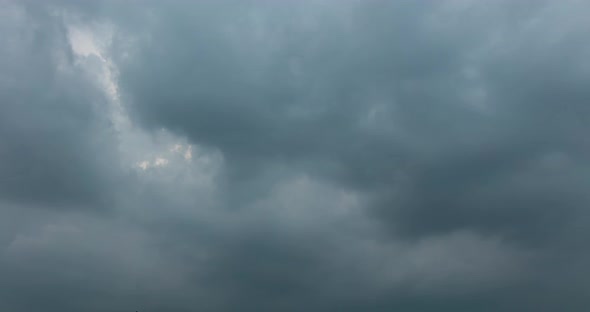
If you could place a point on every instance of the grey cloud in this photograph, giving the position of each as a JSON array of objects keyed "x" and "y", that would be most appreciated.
[
  {"x": 349, "y": 156},
  {"x": 464, "y": 115},
  {"x": 54, "y": 134},
  {"x": 462, "y": 109}
]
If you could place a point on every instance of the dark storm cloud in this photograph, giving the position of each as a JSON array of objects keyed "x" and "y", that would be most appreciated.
[
  {"x": 454, "y": 118},
  {"x": 347, "y": 156},
  {"x": 454, "y": 126},
  {"x": 53, "y": 139}
]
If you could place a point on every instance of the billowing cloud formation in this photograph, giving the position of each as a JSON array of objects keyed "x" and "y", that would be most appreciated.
[
  {"x": 289, "y": 156},
  {"x": 52, "y": 129}
]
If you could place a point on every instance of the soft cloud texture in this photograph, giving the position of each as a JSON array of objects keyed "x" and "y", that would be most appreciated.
[{"x": 290, "y": 156}]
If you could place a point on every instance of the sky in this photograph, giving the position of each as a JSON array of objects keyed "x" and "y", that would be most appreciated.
[{"x": 313, "y": 155}]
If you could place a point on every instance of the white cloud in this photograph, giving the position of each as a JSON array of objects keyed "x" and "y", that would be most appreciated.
[
  {"x": 188, "y": 155},
  {"x": 161, "y": 162}
]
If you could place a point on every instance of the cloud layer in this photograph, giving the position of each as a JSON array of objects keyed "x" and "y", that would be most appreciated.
[{"x": 289, "y": 156}]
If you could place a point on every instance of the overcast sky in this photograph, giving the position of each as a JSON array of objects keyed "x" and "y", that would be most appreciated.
[{"x": 257, "y": 155}]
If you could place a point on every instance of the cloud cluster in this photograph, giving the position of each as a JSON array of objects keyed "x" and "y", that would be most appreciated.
[{"x": 289, "y": 156}]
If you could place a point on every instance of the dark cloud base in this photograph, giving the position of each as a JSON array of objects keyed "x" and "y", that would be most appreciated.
[{"x": 350, "y": 156}]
